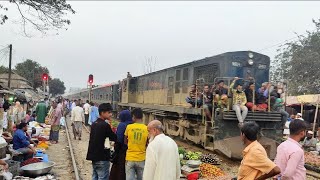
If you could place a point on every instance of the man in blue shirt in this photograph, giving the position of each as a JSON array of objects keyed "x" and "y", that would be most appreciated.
[
  {"x": 21, "y": 142},
  {"x": 94, "y": 114}
]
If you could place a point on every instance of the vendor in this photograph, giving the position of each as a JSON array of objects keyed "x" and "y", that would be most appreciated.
[
  {"x": 309, "y": 142},
  {"x": 22, "y": 142}
]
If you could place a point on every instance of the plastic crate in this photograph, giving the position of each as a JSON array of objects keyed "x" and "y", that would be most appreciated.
[{"x": 14, "y": 167}]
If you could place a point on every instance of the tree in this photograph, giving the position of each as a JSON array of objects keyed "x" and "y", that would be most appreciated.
[
  {"x": 43, "y": 15},
  {"x": 298, "y": 63},
  {"x": 3, "y": 69},
  {"x": 32, "y": 71},
  {"x": 56, "y": 86}
]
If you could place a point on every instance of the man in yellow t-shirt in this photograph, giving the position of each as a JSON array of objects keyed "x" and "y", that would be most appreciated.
[{"x": 136, "y": 136}]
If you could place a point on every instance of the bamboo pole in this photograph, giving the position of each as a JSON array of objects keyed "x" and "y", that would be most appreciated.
[
  {"x": 301, "y": 109},
  {"x": 315, "y": 118}
]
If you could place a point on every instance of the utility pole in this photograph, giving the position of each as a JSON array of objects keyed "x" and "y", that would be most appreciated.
[{"x": 10, "y": 59}]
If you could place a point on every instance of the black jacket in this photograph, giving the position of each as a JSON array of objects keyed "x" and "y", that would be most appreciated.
[{"x": 100, "y": 130}]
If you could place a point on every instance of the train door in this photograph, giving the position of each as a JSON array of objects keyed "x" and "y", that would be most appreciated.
[{"x": 170, "y": 90}]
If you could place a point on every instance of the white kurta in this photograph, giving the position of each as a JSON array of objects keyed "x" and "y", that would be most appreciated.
[{"x": 162, "y": 160}]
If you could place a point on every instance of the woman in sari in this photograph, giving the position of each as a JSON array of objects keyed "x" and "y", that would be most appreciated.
[
  {"x": 56, "y": 115},
  {"x": 118, "y": 167}
]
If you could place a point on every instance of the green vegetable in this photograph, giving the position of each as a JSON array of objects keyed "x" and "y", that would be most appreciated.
[{"x": 181, "y": 150}]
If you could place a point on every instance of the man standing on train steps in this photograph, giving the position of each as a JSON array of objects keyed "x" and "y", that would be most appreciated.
[
  {"x": 136, "y": 136},
  {"x": 97, "y": 153}
]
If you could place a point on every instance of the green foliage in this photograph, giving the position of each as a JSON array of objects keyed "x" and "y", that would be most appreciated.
[
  {"x": 56, "y": 86},
  {"x": 40, "y": 15},
  {"x": 3, "y": 69},
  {"x": 298, "y": 62},
  {"x": 32, "y": 71}
]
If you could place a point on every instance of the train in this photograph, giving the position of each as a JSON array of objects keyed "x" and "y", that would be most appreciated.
[{"x": 161, "y": 95}]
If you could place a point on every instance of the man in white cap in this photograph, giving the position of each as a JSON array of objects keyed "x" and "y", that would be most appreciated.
[
  {"x": 309, "y": 142},
  {"x": 162, "y": 157},
  {"x": 299, "y": 116}
]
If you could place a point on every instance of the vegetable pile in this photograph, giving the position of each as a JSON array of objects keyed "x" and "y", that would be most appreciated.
[
  {"x": 193, "y": 155},
  {"x": 209, "y": 171},
  {"x": 210, "y": 159},
  {"x": 30, "y": 161},
  {"x": 312, "y": 159}
]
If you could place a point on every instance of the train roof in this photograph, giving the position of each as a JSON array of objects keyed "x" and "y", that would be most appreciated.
[{"x": 203, "y": 59}]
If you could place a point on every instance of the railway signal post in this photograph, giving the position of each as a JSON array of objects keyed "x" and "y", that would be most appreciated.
[
  {"x": 90, "y": 81},
  {"x": 45, "y": 78}
]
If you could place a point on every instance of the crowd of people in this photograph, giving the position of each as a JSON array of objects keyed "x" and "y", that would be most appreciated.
[
  {"x": 141, "y": 152},
  {"x": 145, "y": 152},
  {"x": 289, "y": 161},
  {"x": 244, "y": 98}
]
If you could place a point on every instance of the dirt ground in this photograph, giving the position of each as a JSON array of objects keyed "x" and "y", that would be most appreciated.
[
  {"x": 59, "y": 153},
  {"x": 80, "y": 148}
]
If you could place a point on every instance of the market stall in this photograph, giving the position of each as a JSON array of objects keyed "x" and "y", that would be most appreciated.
[
  {"x": 196, "y": 165},
  {"x": 37, "y": 167}
]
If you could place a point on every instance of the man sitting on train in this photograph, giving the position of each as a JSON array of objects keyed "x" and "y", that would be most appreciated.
[
  {"x": 259, "y": 103},
  {"x": 207, "y": 97},
  {"x": 221, "y": 95},
  {"x": 239, "y": 100},
  {"x": 194, "y": 97}
]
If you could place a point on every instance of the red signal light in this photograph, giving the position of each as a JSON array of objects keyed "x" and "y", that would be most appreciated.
[
  {"x": 44, "y": 76},
  {"x": 90, "y": 80}
]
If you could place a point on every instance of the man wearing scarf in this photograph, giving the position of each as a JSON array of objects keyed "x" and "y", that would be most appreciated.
[
  {"x": 118, "y": 167},
  {"x": 239, "y": 100}
]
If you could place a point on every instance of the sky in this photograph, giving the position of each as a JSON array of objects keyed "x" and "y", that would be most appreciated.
[{"x": 109, "y": 39}]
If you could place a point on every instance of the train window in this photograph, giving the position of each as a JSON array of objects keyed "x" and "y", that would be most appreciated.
[
  {"x": 177, "y": 87},
  {"x": 207, "y": 73},
  {"x": 236, "y": 64},
  {"x": 107, "y": 96},
  {"x": 101, "y": 97},
  {"x": 178, "y": 75},
  {"x": 185, "y": 74},
  {"x": 185, "y": 87}
]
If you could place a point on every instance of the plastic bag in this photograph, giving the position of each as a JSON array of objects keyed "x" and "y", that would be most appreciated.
[
  {"x": 7, "y": 175},
  {"x": 62, "y": 121}
]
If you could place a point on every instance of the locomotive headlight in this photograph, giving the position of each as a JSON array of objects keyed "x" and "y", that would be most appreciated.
[
  {"x": 250, "y": 62},
  {"x": 250, "y": 55}
]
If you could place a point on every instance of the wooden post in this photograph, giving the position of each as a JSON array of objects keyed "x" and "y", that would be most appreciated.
[
  {"x": 269, "y": 100},
  {"x": 315, "y": 118},
  {"x": 301, "y": 109},
  {"x": 10, "y": 70},
  {"x": 1, "y": 120}
]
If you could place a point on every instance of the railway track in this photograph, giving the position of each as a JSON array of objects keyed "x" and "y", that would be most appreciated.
[
  {"x": 74, "y": 164},
  {"x": 74, "y": 145}
]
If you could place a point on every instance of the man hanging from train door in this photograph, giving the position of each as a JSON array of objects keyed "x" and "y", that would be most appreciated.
[
  {"x": 239, "y": 100},
  {"x": 207, "y": 101}
]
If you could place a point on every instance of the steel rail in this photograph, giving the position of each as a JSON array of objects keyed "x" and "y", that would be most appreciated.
[{"x": 76, "y": 172}]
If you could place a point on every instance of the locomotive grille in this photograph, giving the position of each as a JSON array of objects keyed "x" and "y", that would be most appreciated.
[{"x": 207, "y": 72}]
